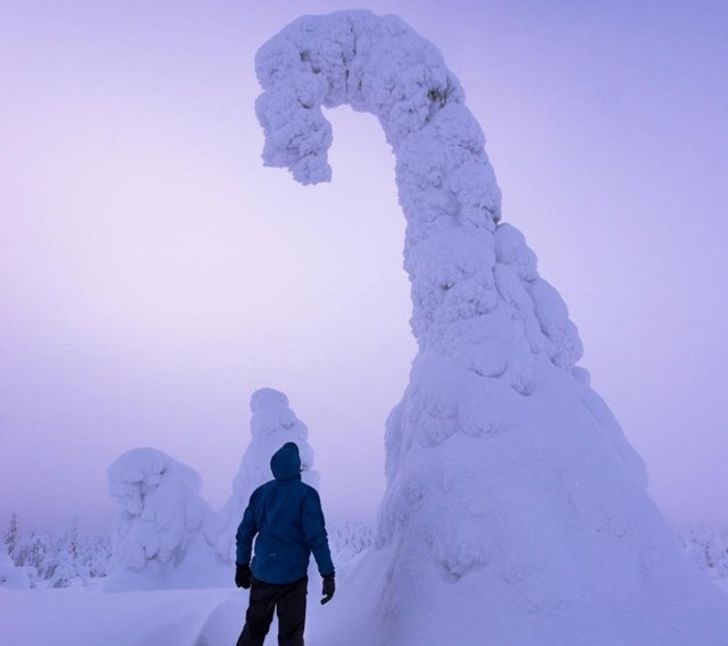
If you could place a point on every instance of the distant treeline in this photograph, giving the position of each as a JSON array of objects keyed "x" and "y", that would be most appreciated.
[
  {"x": 57, "y": 560},
  {"x": 71, "y": 558}
]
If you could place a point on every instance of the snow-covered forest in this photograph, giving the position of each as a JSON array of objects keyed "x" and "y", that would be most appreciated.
[
  {"x": 35, "y": 559},
  {"x": 32, "y": 558}
]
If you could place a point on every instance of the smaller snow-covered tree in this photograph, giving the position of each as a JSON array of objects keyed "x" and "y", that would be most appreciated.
[
  {"x": 65, "y": 571},
  {"x": 33, "y": 551},
  {"x": 160, "y": 511},
  {"x": 65, "y": 563},
  {"x": 95, "y": 554},
  {"x": 71, "y": 539},
  {"x": 272, "y": 424},
  {"x": 10, "y": 539}
]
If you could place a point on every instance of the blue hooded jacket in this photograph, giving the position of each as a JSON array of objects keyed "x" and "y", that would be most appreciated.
[{"x": 286, "y": 515}]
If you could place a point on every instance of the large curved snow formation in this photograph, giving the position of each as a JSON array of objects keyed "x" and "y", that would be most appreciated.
[
  {"x": 272, "y": 424},
  {"x": 515, "y": 511}
]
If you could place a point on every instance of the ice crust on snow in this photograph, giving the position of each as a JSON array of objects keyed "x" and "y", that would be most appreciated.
[
  {"x": 514, "y": 506},
  {"x": 272, "y": 424}
]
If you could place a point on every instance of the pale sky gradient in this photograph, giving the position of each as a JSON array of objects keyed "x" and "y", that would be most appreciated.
[{"x": 154, "y": 273}]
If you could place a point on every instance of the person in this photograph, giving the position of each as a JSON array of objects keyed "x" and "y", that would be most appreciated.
[{"x": 285, "y": 517}]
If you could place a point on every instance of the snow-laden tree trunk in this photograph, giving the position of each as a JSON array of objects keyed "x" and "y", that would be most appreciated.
[
  {"x": 515, "y": 510},
  {"x": 272, "y": 424}
]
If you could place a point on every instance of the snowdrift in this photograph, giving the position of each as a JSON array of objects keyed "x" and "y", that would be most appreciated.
[
  {"x": 515, "y": 510},
  {"x": 140, "y": 618}
]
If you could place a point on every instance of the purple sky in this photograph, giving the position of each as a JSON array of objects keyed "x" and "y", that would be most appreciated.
[{"x": 154, "y": 273}]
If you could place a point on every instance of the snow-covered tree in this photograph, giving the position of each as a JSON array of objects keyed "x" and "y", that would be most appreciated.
[
  {"x": 272, "y": 424},
  {"x": 65, "y": 570},
  {"x": 71, "y": 540},
  {"x": 10, "y": 538},
  {"x": 515, "y": 509},
  {"x": 157, "y": 532},
  {"x": 65, "y": 564},
  {"x": 34, "y": 551},
  {"x": 95, "y": 555}
]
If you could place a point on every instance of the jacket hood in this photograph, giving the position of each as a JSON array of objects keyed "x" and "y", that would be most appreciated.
[{"x": 286, "y": 463}]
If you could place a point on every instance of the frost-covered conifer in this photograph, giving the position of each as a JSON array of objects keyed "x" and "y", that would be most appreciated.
[
  {"x": 272, "y": 424},
  {"x": 34, "y": 551},
  {"x": 65, "y": 570},
  {"x": 515, "y": 510},
  {"x": 96, "y": 553},
  {"x": 160, "y": 515},
  {"x": 65, "y": 563},
  {"x": 10, "y": 539}
]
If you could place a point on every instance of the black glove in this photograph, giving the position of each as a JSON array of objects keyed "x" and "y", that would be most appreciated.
[
  {"x": 328, "y": 589},
  {"x": 242, "y": 575}
]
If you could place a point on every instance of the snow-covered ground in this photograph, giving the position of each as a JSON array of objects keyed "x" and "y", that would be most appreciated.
[
  {"x": 203, "y": 617},
  {"x": 707, "y": 547},
  {"x": 190, "y": 617},
  {"x": 87, "y": 618}
]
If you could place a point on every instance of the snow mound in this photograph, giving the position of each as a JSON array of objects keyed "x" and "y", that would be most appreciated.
[
  {"x": 272, "y": 424},
  {"x": 12, "y": 577},
  {"x": 515, "y": 512},
  {"x": 157, "y": 540}
]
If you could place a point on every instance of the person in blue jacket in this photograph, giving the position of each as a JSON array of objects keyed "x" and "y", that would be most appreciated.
[{"x": 284, "y": 516}]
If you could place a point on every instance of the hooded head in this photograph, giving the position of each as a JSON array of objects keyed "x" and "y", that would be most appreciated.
[{"x": 286, "y": 463}]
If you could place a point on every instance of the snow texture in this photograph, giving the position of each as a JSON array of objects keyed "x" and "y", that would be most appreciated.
[
  {"x": 71, "y": 617},
  {"x": 272, "y": 424},
  {"x": 707, "y": 546},
  {"x": 157, "y": 540},
  {"x": 12, "y": 576},
  {"x": 515, "y": 509}
]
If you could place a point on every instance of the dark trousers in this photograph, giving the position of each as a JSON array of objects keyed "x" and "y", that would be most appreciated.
[{"x": 288, "y": 600}]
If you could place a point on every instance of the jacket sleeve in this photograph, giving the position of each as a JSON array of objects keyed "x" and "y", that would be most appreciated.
[
  {"x": 247, "y": 529},
  {"x": 314, "y": 529}
]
